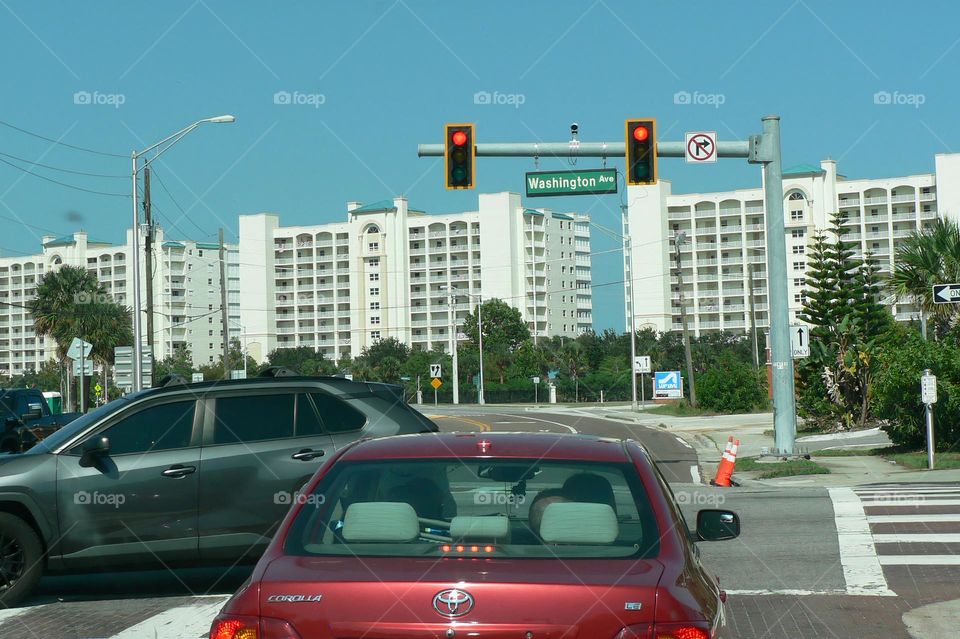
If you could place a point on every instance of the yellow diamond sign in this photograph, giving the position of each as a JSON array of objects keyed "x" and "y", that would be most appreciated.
[{"x": 436, "y": 383}]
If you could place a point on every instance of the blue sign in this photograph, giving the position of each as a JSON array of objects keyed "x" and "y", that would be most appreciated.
[{"x": 667, "y": 384}]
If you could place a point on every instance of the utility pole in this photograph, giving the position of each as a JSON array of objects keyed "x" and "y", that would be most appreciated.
[
  {"x": 533, "y": 257},
  {"x": 223, "y": 309},
  {"x": 753, "y": 318},
  {"x": 148, "y": 255},
  {"x": 453, "y": 349},
  {"x": 628, "y": 255},
  {"x": 681, "y": 238}
]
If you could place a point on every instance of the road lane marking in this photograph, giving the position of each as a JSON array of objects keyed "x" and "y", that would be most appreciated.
[
  {"x": 183, "y": 621},
  {"x": 913, "y": 501},
  {"x": 861, "y": 568},
  {"x": 911, "y": 538},
  {"x": 920, "y": 560},
  {"x": 682, "y": 441},
  {"x": 484, "y": 428},
  {"x": 545, "y": 421},
  {"x": 695, "y": 474},
  {"x": 919, "y": 518},
  {"x": 493, "y": 422},
  {"x": 794, "y": 593}
]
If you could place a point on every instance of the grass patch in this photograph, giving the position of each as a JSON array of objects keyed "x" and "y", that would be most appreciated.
[
  {"x": 678, "y": 409},
  {"x": 771, "y": 470},
  {"x": 918, "y": 460},
  {"x": 850, "y": 452}
]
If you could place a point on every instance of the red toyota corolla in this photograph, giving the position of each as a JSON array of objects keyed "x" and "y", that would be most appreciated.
[{"x": 484, "y": 536}]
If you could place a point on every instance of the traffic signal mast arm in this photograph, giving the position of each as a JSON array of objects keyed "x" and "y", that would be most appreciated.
[{"x": 729, "y": 149}]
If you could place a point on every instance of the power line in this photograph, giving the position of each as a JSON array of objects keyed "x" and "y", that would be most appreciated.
[
  {"x": 69, "y": 186},
  {"x": 60, "y": 143},
  {"x": 75, "y": 172},
  {"x": 180, "y": 208}
]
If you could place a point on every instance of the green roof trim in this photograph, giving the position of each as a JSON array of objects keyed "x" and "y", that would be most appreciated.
[
  {"x": 207, "y": 245},
  {"x": 532, "y": 212},
  {"x": 382, "y": 205},
  {"x": 66, "y": 240},
  {"x": 804, "y": 169},
  {"x": 176, "y": 245},
  {"x": 562, "y": 216}
]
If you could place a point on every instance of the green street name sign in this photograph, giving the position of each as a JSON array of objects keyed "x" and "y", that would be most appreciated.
[{"x": 583, "y": 182}]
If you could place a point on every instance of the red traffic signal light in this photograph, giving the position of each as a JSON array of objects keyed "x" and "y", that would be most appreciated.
[
  {"x": 641, "y": 152},
  {"x": 459, "y": 156}
]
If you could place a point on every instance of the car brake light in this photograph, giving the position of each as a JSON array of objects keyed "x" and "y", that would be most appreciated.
[
  {"x": 680, "y": 631},
  {"x": 473, "y": 549},
  {"x": 235, "y": 627},
  {"x": 242, "y": 627}
]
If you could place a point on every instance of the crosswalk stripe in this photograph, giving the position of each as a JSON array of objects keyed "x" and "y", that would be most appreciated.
[
  {"x": 917, "y": 518},
  {"x": 918, "y": 560},
  {"x": 182, "y": 622},
  {"x": 911, "y": 538},
  {"x": 915, "y": 501},
  {"x": 862, "y": 572}
]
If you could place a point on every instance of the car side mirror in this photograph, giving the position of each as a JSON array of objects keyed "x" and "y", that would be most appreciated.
[
  {"x": 93, "y": 450},
  {"x": 717, "y": 525}
]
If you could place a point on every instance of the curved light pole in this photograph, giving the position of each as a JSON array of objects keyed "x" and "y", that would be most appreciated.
[
  {"x": 166, "y": 143},
  {"x": 480, "y": 398}
]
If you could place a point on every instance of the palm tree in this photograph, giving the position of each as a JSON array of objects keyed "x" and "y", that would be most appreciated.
[
  {"x": 59, "y": 294},
  {"x": 928, "y": 257}
]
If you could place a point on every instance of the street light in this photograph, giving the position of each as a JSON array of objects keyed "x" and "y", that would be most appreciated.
[
  {"x": 453, "y": 339},
  {"x": 166, "y": 143},
  {"x": 630, "y": 279}
]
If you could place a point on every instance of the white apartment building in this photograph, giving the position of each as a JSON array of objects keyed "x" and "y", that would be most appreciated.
[
  {"x": 392, "y": 271},
  {"x": 186, "y": 293},
  {"x": 726, "y": 238}
]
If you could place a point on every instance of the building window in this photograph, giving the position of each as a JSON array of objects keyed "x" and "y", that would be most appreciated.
[
  {"x": 799, "y": 266},
  {"x": 375, "y": 335},
  {"x": 200, "y": 253},
  {"x": 375, "y": 320},
  {"x": 798, "y": 232},
  {"x": 375, "y": 291},
  {"x": 796, "y": 215},
  {"x": 374, "y": 277},
  {"x": 375, "y": 306},
  {"x": 373, "y": 246},
  {"x": 800, "y": 298},
  {"x": 798, "y": 281},
  {"x": 375, "y": 262},
  {"x": 799, "y": 249}
]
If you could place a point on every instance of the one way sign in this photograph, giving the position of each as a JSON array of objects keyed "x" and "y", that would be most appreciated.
[
  {"x": 946, "y": 293},
  {"x": 800, "y": 340}
]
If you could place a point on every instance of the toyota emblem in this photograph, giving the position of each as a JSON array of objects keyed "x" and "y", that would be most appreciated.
[{"x": 453, "y": 602}]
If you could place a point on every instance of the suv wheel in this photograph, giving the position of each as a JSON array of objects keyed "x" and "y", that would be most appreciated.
[{"x": 21, "y": 559}]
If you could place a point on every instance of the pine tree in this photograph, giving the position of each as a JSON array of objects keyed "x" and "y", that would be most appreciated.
[
  {"x": 818, "y": 307},
  {"x": 874, "y": 319}
]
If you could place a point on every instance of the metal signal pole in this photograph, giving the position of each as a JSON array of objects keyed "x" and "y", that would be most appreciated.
[{"x": 679, "y": 239}]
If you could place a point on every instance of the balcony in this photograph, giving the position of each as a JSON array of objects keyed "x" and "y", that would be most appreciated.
[
  {"x": 753, "y": 209},
  {"x": 875, "y": 200},
  {"x": 678, "y": 215},
  {"x": 710, "y": 213},
  {"x": 730, "y": 229},
  {"x": 928, "y": 215},
  {"x": 849, "y": 202},
  {"x": 904, "y": 198}
]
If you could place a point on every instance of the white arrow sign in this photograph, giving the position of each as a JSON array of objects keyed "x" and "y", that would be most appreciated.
[
  {"x": 946, "y": 293},
  {"x": 800, "y": 340},
  {"x": 434, "y": 370}
]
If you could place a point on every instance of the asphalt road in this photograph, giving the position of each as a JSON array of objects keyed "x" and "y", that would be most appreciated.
[
  {"x": 677, "y": 458},
  {"x": 810, "y": 562}
]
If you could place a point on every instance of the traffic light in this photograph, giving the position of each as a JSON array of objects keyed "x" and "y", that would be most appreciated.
[
  {"x": 641, "y": 151},
  {"x": 460, "y": 156}
]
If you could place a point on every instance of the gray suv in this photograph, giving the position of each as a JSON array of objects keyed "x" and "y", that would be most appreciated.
[{"x": 180, "y": 475}]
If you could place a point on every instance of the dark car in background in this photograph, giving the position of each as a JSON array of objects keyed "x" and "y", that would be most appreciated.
[
  {"x": 26, "y": 418},
  {"x": 548, "y": 536},
  {"x": 183, "y": 474}
]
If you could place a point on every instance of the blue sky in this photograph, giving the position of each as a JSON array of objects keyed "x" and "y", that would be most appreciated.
[{"x": 376, "y": 78}]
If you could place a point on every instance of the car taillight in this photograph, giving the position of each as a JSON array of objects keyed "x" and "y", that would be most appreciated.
[
  {"x": 680, "y": 631},
  {"x": 235, "y": 627},
  {"x": 243, "y": 627}
]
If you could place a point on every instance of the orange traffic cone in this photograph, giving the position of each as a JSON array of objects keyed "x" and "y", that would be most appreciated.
[{"x": 727, "y": 464}]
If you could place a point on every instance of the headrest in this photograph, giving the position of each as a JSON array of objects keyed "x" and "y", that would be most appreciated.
[
  {"x": 479, "y": 528},
  {"x": 579, "y": 523},
  {"x": 384, "y": 521}
]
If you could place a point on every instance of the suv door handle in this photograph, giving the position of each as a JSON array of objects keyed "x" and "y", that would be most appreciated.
[
  {"x": 307, "y": 454},
  {"x": 179, "y": 470}
]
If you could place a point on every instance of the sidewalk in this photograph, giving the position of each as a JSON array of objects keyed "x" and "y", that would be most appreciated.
[{"x": 708, "y": 435}]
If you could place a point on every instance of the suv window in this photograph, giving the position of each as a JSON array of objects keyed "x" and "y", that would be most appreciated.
[
  {"x": 337, "y": 415},
  {"x": 308, "y": 423},
  {"x": 251, "y": 418},
  {"x": 158, "y": 427}
]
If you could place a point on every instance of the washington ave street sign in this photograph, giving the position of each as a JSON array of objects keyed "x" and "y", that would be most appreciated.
[{"x": 582, "y": 182}]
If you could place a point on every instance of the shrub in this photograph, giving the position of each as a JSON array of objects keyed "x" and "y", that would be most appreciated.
[{"x": 731, "y": 386}]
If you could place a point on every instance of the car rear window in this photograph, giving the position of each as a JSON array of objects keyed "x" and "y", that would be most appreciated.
[{"x": 506, "y": 508}]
